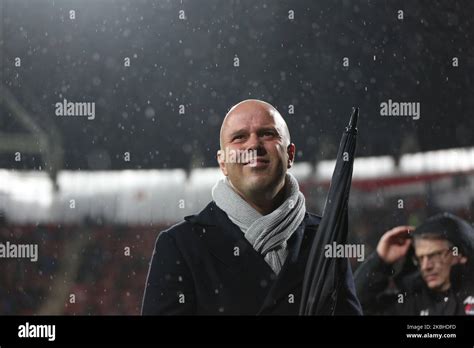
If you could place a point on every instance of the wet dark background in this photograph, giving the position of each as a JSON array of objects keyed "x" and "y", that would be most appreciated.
[{"x": 191, "y": 62}]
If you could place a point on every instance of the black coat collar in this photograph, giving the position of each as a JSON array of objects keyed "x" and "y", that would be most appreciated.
[{"x": 222, "y": 237}]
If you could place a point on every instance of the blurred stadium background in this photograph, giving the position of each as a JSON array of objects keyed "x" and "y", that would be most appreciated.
[{"x": 68, "y": 185}]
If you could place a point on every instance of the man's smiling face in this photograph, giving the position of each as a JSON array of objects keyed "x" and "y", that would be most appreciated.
[{"x": 256, "y": 126}]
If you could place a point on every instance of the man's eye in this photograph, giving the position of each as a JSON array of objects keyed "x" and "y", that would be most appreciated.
[
  {"x": 237, "y": 137},
  {"x": 269, "y": 133}
]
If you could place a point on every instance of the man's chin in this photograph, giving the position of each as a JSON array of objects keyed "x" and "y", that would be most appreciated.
[
  {"x": 434, "y": 285},
  {"x": 257, "y": 184}
]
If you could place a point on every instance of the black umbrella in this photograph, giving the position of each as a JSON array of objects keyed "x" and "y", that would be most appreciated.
[{"x": 322, "y": 274}]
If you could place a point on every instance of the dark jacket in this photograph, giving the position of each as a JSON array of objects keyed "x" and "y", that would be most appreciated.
[
  {"x": 205, "y": 266},
  {"x": 409, "y": 294}
]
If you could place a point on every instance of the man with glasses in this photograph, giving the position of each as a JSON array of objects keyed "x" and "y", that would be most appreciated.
[{"x": 436, "y": 276}]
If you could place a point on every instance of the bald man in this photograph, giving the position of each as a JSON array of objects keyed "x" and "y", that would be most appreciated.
[{"x": 246, "y": 252}]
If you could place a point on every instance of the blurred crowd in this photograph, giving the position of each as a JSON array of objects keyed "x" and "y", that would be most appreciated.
[
  {"x": 96, "y": 269},
  {"x": 106, "y": 278}
]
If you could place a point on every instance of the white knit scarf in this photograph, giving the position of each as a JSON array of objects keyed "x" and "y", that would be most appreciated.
[{"x": 269, "y": 233}]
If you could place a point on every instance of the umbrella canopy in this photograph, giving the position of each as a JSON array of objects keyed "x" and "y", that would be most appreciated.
[{"x": 322, "y": 274}]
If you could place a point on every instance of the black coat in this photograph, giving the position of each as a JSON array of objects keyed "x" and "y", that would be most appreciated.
[
  {"x": 205, "y": 266},
  {"x": 410, "y": 295}
]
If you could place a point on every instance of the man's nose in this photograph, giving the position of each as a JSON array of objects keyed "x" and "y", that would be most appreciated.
[
  {"x": 254, "y": 142},
  {"x": 426, "y": 263}
]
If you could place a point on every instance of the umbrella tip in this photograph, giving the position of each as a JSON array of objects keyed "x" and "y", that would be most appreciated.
[{"x": 354, "y": 117}]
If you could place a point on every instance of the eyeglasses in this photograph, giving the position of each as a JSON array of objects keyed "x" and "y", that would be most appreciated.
[{"x": 435, "y": 257}]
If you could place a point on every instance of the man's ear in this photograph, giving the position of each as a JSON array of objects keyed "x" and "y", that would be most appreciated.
[
  {"x": 291, "y": 149},
  {"x": 221, "y": 160}
]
